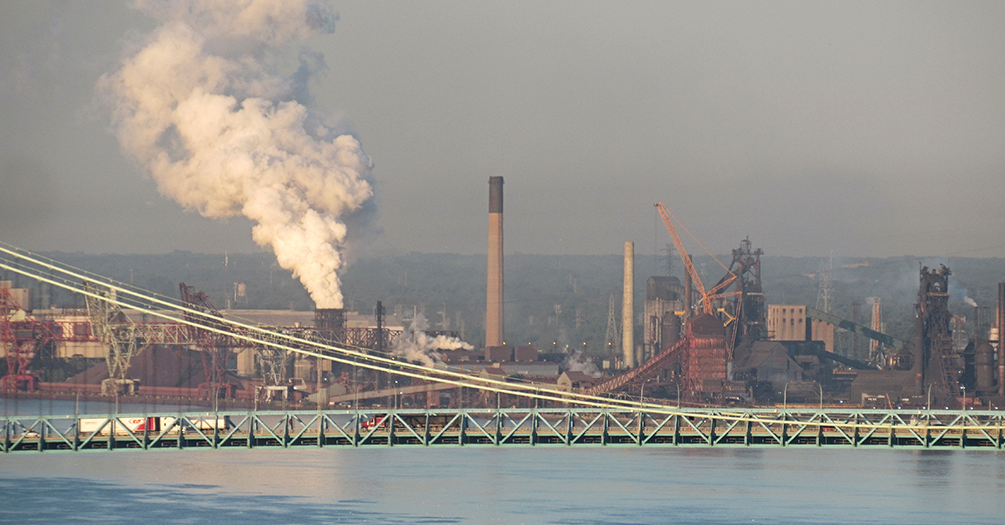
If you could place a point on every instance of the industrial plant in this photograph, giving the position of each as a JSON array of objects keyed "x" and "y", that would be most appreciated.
[{"x": 697, "y": 344}]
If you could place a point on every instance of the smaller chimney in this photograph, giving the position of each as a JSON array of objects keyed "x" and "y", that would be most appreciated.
[
  {"x": 329, "y": 318},
  {"x": 1001, "y": 339},
  {"x": 628, "y": 308}
]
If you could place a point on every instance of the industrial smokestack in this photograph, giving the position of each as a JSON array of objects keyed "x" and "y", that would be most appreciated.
[
  {"x": 1001, "y": 339},
  {"x": 977, "y": 321},
  {"x": 494, "y": 295},
  {"x": 329, "y": 318},
  {"x": 877, "y": 323},
  {"x": 628, "y": 308}
]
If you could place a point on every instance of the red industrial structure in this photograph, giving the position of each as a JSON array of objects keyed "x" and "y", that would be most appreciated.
[{"x": 21, "y": 336}]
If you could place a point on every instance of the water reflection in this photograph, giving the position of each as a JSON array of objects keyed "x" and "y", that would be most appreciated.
[
  {"x": 932, "y": 467},
  {"x": 515, "y": 485},
  {"x": 37, "y": 500}
]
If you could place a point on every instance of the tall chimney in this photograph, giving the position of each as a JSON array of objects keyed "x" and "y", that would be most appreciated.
[
  {"x": 877, "y": 323},
  {"x": 494, "y": 295},
  {"x": 1001, "y": 339},
  {"x": 628, "y": 308}
]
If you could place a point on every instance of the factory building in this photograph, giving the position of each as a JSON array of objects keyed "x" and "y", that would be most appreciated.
[
  {"x": 22, "y": 296},
  {"x": 575, "y": 381},
  {"x": 789, "y": 322},
  {"x": 703, "y": 366},
  {"x": 768, "y": 362},
  {"x": 664, "y": 300},
  {"x": 514, "y": 360}
]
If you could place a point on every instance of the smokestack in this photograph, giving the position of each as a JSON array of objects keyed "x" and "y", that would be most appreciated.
[
  {"x": 329, "y": 318},
  {"x": 977, "y": 320},
  {"x": 1001, "y": 339},
  {"x": 494, "y": 295},
  {"x": 628, "y": 308},
  {"x": 877, "y": 323}
]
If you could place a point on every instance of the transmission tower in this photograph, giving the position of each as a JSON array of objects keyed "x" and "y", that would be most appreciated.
[
  {"x": 669, "y": 253},
  {"x": 612, "y": 337},
  {"x": 825, "y": 292}
]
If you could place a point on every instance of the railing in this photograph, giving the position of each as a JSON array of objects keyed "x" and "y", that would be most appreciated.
[{"x": 917, "y": 429}]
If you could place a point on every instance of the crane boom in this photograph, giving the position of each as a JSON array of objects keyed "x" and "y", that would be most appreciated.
[
  {"x": 706, "y": 305},
  {"x": 726, "y": 281}
]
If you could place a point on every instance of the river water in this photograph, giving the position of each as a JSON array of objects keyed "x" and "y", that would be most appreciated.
[{"x": 503, "y": 485}]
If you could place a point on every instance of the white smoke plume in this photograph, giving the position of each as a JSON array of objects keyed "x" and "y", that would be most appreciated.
[
  {"x": 958, "y": 292},
  {"x": 416, "y": 345},
  {"x": 578, "y": 361},
  {"x": 204, "y": 107}
]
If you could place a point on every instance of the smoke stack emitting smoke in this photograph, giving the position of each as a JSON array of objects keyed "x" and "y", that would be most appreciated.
[{"x": 203, "y": 108}]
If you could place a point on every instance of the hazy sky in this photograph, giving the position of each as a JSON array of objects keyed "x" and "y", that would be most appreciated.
[{"x": 870, "y": 129}]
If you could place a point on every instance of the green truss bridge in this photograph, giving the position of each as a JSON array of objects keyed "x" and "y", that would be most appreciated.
[{"x": 580, "y": 427}]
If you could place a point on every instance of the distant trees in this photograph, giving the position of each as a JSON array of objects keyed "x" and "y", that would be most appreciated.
[{"x": 551, "y": 301}]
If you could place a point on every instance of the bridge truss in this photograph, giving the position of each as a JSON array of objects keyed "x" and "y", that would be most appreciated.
[{"x": 681, "y": 427}]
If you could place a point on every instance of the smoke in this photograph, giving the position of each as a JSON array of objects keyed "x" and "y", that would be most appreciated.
[
  {"x": 206, "y": 110},
  {"x": 958, "y": 292},
  {"x": 416, "y": 345},
  {"x": 562, "y": 341},
  {"x": 578, "y": 361}
]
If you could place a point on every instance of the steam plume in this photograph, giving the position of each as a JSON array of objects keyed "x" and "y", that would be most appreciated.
[
  {"x": 578, "y": 361},
  {"x": 416, "y": 345},
  {"x": 204, "y": 108}
]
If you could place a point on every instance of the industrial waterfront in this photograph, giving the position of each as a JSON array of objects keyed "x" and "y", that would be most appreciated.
[
  {"x": 272, "y": 326},
  {"x": 701, "y": 345}
]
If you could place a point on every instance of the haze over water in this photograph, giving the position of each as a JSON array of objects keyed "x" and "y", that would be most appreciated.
[{"x": 507, "y": 485}]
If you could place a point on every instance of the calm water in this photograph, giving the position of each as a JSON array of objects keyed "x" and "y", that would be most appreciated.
[
  {"x": 467, "y": 485},
  {"x": 481, "y": 485}
]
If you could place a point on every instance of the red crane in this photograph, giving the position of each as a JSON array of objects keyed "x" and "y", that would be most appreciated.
[
  {"x": 21, "y": 336},
  {"x": 706, "y": 297}
]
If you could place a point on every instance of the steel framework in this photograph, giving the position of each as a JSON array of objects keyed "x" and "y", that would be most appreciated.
[
  {"x": 118, "y": 334},
  {"x": 675, "y": 427},
  {"x": 21, "y": 337}
]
